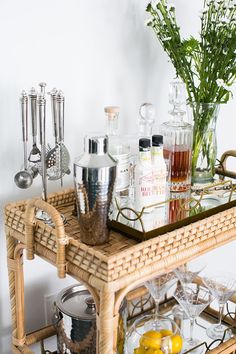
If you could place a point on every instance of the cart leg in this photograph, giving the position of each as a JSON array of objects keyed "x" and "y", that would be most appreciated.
[
  {"x": 107, "y": 324},
  {"x": 16, "y": 286},
  {"x": 11, "y": 244}
]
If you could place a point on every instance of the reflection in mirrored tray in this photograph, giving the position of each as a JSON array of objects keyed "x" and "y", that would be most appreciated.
[{"x": 180, "y": 209}]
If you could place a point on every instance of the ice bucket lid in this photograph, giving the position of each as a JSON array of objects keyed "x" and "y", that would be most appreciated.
[{"x": 75, "y": 301}]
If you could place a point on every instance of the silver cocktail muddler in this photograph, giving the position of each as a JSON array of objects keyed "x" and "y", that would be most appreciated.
[{"x": 94, "y": 177}]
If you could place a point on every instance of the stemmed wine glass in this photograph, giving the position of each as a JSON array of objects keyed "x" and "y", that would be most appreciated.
[
  {"x": 158, "y": 288},
  {"x": 222, "y": 286},
  {"x": 187, "y": 272},
  {"x": 193, "y": 299}
]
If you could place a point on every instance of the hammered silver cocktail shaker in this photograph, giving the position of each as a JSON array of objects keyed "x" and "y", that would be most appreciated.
[{"x": 94, "y": 177}]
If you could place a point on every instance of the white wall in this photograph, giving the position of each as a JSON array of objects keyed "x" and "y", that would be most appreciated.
[{"x": 99, "y": 53}]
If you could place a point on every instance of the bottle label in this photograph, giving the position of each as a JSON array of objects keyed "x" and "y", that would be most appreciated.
[
  {"x": 144, "y": 189},
  {"x": 145, "y": 157},
  {"x": 159, "y": 184},
  {"x": 123, "y": 172},
  {"x": 157, "y": 153}
]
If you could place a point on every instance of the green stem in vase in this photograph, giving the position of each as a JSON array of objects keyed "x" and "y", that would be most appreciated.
[{"x": 206, "y": 64}]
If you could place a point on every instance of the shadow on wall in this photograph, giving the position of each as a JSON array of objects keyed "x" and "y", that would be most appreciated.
[
  {"x": 34, "y": 311},
  {"x": 5, "y": 333},
  {"x": 34, "y": 298}
]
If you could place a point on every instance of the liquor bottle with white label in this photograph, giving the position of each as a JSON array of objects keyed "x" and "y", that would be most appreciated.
[
  {"x": 144, "y": 177},
  {"x": 120, "y": 150},
  {"x": 159, "y": 170}
]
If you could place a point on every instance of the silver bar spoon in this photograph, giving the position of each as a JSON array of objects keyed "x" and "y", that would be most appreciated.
[
  {"x": 24, "y": 178},
  {"x": 35, "y": 154}
]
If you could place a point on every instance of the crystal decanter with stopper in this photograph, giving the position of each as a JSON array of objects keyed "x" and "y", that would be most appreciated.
[{"x": 177, "y": 139}]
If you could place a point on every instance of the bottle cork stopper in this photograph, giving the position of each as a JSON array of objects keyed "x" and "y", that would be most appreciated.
[{"x": 112, "y": 109}]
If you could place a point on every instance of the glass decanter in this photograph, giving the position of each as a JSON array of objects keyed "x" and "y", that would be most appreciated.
[{"x": 178, "y": 136}]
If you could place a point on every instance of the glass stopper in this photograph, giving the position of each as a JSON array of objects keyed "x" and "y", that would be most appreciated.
[{"x": 177, "y": 93}]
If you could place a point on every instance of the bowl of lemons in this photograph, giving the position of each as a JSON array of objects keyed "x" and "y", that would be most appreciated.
[{"x": 154, "y": 335}]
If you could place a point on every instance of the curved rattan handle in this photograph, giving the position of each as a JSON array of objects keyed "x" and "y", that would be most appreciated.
[
  {"x": 59, "y": 228},
  {"x": 222, "y": 170}
]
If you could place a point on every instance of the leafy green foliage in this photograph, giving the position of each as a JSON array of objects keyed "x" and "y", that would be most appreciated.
[{"x": 207, "y": 65}]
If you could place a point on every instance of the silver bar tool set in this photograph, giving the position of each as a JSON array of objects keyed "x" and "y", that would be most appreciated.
[{"x": 52, "y": 163}]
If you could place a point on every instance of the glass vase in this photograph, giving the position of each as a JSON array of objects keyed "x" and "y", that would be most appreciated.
[{"x": 204, "y": 117}]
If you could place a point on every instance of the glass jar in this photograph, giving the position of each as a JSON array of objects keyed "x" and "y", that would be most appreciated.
[{"x": 143, "y": 336}]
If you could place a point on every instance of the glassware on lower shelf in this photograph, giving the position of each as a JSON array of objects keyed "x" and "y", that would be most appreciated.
[
  {"x": 194, "y": 300},
  {"x": 158, "y": 288},
  {"x": 186, "y": 273},
  {"x": 222, "y": 285},
  {"x": 143, "y": 338}
]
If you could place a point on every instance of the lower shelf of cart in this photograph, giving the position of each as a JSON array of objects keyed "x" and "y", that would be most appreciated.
[
  {"x": 202, "y": 323},
  {"x": 206, "y": 319}
]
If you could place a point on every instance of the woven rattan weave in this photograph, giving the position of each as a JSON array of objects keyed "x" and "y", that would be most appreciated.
[{"x": 109, "y": 271}]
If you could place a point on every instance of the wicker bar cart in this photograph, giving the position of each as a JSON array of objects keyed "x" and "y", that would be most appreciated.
[{"x": 109, "y": 271}]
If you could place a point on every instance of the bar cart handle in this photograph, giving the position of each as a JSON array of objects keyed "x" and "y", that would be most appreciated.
[
  {"x": 30, "y": 221},
  {"x": 221, "y": 169}
]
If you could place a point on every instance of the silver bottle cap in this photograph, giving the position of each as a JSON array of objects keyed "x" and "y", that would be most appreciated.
[{"x": 96, "y": 144}]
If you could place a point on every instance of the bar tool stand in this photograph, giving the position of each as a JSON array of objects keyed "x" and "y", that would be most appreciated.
[
  {"x": 56, "y": 160},
  {"x": 41, "y": 105}
]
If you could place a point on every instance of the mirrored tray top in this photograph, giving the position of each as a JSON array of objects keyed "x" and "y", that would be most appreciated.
[{"x": 180, "y": 209}]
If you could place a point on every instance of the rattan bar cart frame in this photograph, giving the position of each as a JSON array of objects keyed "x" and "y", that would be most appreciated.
[{"x": 109, "y": 271}]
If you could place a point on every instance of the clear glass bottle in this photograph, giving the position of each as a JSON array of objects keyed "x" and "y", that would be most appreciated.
[
  {"x": 146, "y": 120},
  {"x": 120, "y": 150},
  {"x": 144, "y": 176},
  {"x": 178, "y": 136},
  {"x": 159, "y": 169}
]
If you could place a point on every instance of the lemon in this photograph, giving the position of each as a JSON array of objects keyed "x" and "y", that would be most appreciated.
[
  {"x": 176, "y": 344},
  {"x": 173, "y": 343},
  {"x": 153, "y": 351},
  {"x": 140, "y": 350},
  {"x": 166, "y": 332},
  {"x": 151, "y": 339}
]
